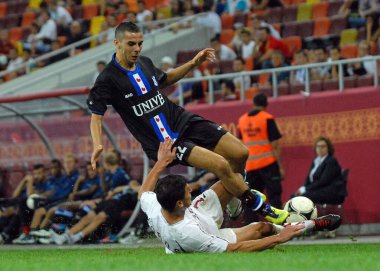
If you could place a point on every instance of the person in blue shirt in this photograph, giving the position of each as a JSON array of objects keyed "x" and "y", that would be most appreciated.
[
  {"x": 37, "y": 183},
  {"x": 115, "y": 175}
]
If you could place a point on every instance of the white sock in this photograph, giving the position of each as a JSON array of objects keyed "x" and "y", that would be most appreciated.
[
  {"x": 77, "y": 237},
  {"x": 309, "y": 225}
]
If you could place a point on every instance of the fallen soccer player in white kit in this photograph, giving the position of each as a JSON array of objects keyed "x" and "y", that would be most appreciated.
[{"x": 194, "y": 226}]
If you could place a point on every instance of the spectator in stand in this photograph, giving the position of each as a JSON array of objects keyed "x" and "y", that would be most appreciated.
[
  {"x": 350, "y": 10},
  {"x": 188, "y": 9},
  {"x": 143, "y": 15},
  {"x": 238, "y": 66},
  {"x": 132, "y": 17},
  {"x": 166, "y": 63},
  {"x": 278, "y": 61},
  {"x": 186, "y": 88},
  {"x": 55, "y": 45},
  {"x": 370, "y": 11},
  {"x": 267, "y": 45},
  {"x": 228, "y": 90},
  {"x": 299, "y": 76},
  {"x": 237, "y": 6},
  {"x": 76, "y": 34},
  {"x": 366, "y": 67},
  {"x": 257, "y": 22},
  {"x": 236, "y": 41},
  {"x": 107, "y": 34},
  {"x": 247, "y": 46},
  {"x": 60, "y": 15},
  {"x": 197, "y": 94},
  {"x": 334, "y": 70},
  {"x": 28, "y": 61},
  {"x": 264, "y": 4},
  {"x": 100, "y": 66},
  {"x": 15, "y": 61},
  {"x": 122, "y": 12},
  {"x": 321, "y": 72},
  {"x": 5, "y": 44},
  {"x": 211, "y": 19},
  {"x": 222, "y": 52},
  {"x": 48, "y": 32},
  {"x": 34, "y": 29},
  {"x": 324, "y": 183}
]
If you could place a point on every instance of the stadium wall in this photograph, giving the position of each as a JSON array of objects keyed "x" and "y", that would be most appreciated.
[{"x": 351, "y": 118}]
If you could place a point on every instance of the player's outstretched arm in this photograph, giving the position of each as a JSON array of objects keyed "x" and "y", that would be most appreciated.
[
  {"x": 268, "y": 242},
  {"x": 96, "y": 134},
  {"x": 166, "y": 154},
  {"x": 178, "y": 73}
]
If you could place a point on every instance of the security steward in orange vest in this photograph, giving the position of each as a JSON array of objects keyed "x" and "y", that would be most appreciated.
[{"x": 259, "y": 132}]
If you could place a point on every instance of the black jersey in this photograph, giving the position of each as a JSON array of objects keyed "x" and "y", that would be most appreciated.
[{"x": 149, "y": 115}]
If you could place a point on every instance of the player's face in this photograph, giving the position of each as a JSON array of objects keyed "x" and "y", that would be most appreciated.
[
  {"x": 69, "y": 164},
  {"x": 130, "y": 46},
  {"x": 90, "y": 172},
  {"x": 39, "y": 174}
]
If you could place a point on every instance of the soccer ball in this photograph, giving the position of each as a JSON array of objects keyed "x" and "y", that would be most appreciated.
[
  {"x": 32, "y": 201},
  {"x": 300, "y": 209}
]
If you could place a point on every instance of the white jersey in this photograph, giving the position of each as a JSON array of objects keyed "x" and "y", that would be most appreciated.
[{"x": 197, "y": 232}]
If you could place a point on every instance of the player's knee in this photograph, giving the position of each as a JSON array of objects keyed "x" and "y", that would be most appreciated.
[
  {"x": 242, "y": 153},
  {"x": 222, "y": 168},
  {"x": 101, "y": 217}
]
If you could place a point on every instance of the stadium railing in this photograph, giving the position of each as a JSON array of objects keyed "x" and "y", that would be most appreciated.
[{"x": 211, "y": 78}]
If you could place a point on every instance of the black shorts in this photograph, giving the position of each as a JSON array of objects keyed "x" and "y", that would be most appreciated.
[
  {"x": 114, "y": 207},
  {"x": 200, "y": 132}
]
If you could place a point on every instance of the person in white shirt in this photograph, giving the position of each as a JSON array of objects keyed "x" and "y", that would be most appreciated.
[
  {"x": 143, "y": 15},
  {"x": 194, "y": 226},
  {"x": 257, "y": 21},
  {"x": 247, "y": 46},
  {"x": 222, "y": 52},
  {"x": 210, "y": 19},
  {"x": 59, "y": 14},
  {"x": 48, "y": 32},
  {"x": 15, "y": 60}
]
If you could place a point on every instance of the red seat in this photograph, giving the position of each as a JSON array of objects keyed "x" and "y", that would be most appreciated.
[
  {"x": 365, "y": 81},
  {"x": 321, "y": 27},
  {"x": 338, "y": 24},
  {"x": 226, "y": 36},
  {"x": 77, "y": 12},
  {"x": 294, "y": 43},
  {"x": 15, "y": 34},
  {"x": 3, "y": 9},
  {"x": 90, "y": 11},
  {"x": 11, "y": 21},
  {"x": 290, "y": 29},
  {"x": 28, "y": 18},
  {"x": 350, "y": 82},
  {"x": 334, "y": 7},
  {"x": 289, "y": 14},
  {"x": 320, "y": 10},
  {"x": 349, "y": 51},
  {"x": 227, "y": 21},
  {"x": 305, "y": 29},
  {"x": 226, "y": 66}
]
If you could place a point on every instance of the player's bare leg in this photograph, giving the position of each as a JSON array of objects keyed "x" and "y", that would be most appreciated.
[
  {"x": 39, "y": 214},
  {"x": 49, "y": 215},
  {"x": 255, "y": 231},
  {"x": 83, "y": 222},
  {"x": 234, "y": 151}
]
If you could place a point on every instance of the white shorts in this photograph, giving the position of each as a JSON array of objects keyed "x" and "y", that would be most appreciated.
[{"x": 210, "y": 206}]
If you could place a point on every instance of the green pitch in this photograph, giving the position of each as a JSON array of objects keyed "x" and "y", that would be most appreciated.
[{"x": 363, "y": 257}]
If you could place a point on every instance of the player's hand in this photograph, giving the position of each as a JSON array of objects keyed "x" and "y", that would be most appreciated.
[
  {"x": 291, "y": 231},
  {"x": 166, "y": 152},
  {"x": 95, "y": 155},
  {"x": 205, "y": 54}
]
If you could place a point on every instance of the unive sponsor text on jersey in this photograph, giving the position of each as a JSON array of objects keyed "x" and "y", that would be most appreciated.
[{"x": 149, "y": 105}]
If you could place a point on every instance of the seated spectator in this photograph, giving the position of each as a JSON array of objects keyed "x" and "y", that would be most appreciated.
[
  {"x": 238, "y": 66},
  {"x": 34, "y": 29},
  {"x": 256, "y": 22},
  {"x": 211, "y": 19},
  {"x": 236, "y": 41},
  {"x": 28, "y": 61},
  {"x": 366, "y": 67},
  {"x": 100, "y": 66},
  {"x": 267, "y": 45},
  {"x": 323, "y": 71},
  {"x": 237, "y": 6},
  {"x": 143, "y": 15},
  {"x": 76, "y": 34},
  {"x": 166, "y": 63},
  {"x": 228, "y": 90},
  {"x": 55, "y": 45},
  {"x": 132, "y": 17},
  {"x": 42, "y": 40},
  {"x": 107, "y": 34},
  {"x": 247, "y": 45},
  {"x": 5, "y": 44},
  {"x": 39, "y": 184},
  {"x": 334, "y": 70},
  {"x": 15, "y": 61},
  {"x": 60, "y": 15},
  {"x": 324, "y": 183},
  {"x": 122, "y": 12},
  {"x": 278, "y": 61},
  {"x": 197, "y": 94},
  {"x": 222, "y": 52},
  {"x": 299, "y": 76}
]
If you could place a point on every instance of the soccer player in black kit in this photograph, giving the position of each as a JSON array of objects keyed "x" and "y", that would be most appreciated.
[{"x": 131, "y": 84}]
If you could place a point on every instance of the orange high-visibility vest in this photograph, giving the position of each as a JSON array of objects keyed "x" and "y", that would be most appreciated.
[{"x": 254, "y": 133}]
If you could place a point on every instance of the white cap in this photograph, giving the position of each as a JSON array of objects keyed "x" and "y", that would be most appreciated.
[{"x": 167, "y": 60}]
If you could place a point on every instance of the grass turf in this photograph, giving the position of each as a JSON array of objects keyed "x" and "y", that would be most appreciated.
[{"x": 311, "y": 257}]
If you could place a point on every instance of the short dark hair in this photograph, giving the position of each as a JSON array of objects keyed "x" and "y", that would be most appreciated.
[
  {"x": 56, "y": 162},
  {"x": 126, "y": 27},
  {"x": 240, "y": 59},
  {"x": 330, "y": 146},
  {"x": 260, "y": 100},
  {"x": 169, "y": 190},
  {"x": 229, "y": 84},
  {"x": 38, "y": 166},
  {"x": 335, "y": 48},
  {"x": 266, "y": 29},
  {"x": 101, "y": 62}
]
